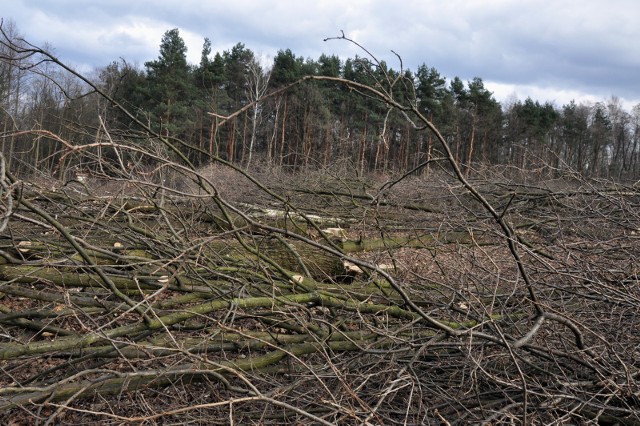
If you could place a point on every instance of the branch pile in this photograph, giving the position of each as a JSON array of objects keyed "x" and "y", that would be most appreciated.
[{"x": 142, "y": 289}]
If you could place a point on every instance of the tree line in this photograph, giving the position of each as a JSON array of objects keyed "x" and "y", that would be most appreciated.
[{"x": 314, "y": 123}]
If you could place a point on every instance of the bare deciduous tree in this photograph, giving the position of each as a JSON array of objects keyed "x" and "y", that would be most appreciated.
[{"x": 257, "y": 85}]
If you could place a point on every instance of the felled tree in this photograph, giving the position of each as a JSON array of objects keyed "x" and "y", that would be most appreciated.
[{"x": 451, "y": 301}]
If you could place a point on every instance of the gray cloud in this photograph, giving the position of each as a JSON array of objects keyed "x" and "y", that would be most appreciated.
[{"x": 573, "y": 48}]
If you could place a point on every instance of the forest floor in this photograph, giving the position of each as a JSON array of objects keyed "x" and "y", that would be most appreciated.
[{"x": 133, "y": 303}]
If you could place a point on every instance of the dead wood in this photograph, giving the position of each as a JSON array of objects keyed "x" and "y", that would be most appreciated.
[{"x": 444, "y": 297}]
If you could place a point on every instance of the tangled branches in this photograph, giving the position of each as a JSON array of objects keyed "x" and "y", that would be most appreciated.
[{"x": 141, "y": 289}]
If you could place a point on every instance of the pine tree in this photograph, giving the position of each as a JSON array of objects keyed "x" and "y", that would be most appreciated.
[{"x": 170, "y": 90}]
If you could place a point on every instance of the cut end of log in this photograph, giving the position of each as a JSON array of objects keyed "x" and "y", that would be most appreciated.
[
  {"x": 335, "y": 233},
  {"x": 297, "y": 279},
  {"x": 23, "y": 246},
  {"x": 385, "y": 267},
  {"x": 352, "y": 268}
]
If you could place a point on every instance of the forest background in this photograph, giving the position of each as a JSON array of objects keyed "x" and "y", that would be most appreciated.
[{"x": 314, "y": 124}]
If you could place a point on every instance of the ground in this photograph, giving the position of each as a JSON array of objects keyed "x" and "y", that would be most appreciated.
[{"x": 139, "y": 303}]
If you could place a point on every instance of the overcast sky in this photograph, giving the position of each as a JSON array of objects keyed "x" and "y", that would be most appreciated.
[{"x": 550, "y": 50}]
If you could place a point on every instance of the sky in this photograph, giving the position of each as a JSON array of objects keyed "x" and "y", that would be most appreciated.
[{"x": 550, "y": 50}]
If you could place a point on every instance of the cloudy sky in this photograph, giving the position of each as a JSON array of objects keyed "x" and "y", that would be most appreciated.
[{"x": 550, "y": 50}]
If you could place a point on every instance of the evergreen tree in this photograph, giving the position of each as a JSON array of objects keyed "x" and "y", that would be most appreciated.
[
  {"x": 329, "y": 66},
  {"x": 431, "y": 91},
  {"x": 287, "y": 68},
  {"x": 236, "y": 68},
  {"x": 124, "y": 83},
  {"x": 574, "y": 127},
  {"x": 209, "y": 74},
  {"x": 211, "y": 97},
  {"x": 170, "y": 90},
  {"x": 599, "y": 140}
]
